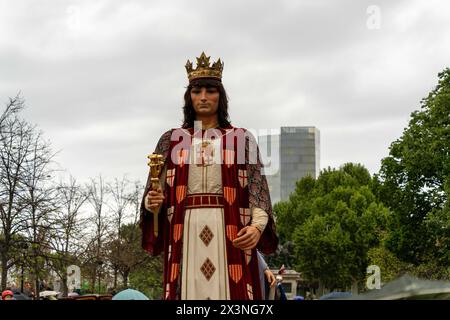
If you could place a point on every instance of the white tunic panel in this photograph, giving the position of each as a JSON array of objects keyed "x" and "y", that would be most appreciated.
[{"x": 204, "y": 267}]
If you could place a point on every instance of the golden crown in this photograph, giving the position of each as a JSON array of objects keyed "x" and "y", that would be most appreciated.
[{"x": 204, "y": 70}]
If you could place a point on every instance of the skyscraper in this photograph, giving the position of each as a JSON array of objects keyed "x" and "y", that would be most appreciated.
[{"x": 288, "y": 157}]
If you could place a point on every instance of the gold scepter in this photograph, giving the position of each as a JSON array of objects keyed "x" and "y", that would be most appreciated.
[{"x": 156, "y": 164}]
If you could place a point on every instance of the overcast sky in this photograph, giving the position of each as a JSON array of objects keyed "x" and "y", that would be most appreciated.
[{"x": 104, "y": 79}]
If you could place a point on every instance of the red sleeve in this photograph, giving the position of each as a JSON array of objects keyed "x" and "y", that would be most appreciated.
[{"x": 150, "y": 243}]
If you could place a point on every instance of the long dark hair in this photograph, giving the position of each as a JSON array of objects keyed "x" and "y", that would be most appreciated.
[{"x": 188, "y": 109}]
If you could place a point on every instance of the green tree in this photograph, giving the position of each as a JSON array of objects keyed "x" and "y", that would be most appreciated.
[
  {"x": 126, "y": 253},
  {"x": 290, "y": 214},
  {"x": 390, "y": 266},
  {"x": 138, "y": 270},
  {"x": 333, "y": 223},
  {"x": 148, "y": 278},
  {"x": 414, "y": 181}
]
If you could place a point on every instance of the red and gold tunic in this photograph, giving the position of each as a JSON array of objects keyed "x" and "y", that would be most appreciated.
[{"x": 211, "y": 188}]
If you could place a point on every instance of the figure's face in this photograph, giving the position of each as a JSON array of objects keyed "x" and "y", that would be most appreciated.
[{"x": 205, "y": 100}]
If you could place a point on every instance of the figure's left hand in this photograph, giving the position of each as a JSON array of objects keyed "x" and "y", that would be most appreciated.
[
  {"x": 247, "y": 238},
  {"x": 270, "y": 277}
]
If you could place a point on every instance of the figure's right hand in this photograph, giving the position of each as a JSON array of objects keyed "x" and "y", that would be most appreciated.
[{"x": 154, "y": 200}]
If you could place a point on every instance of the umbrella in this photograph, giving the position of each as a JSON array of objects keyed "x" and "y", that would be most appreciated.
[
  {"x": 20, "y": 296},
  {"x": 48, "y": 293},
  {"x": 130, "y": 294},
  {"x": 408, "y": 287},
  {"x": 336, "y": 295}
]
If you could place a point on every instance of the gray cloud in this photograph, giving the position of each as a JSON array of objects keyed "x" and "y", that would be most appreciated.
[{"x": 104, "y": 79}]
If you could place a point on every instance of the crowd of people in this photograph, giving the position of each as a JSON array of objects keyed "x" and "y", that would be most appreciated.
[
  {"x": 267, "y": 278},
  {"x": 27, "y": 292}
]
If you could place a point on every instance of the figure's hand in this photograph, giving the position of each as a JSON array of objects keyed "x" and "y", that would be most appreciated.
[
  {"x": 270, "y": 277},
  {"x": 154, "y": 200},
  {"x": 247, "y": 238}
]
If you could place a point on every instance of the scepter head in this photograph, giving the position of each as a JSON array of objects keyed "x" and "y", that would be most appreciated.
[{"x": 156, "y": 164}]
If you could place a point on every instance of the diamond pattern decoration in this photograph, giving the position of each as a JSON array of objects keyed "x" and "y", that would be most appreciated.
[
  {"x": 208, "y": 269},
  {"x": 206, "y": 235}
]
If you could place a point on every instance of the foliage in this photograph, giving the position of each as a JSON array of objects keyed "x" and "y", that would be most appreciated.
[
  {"x": 333, "y": 223},
  {"x": 147, "y": 278},
  {"x": 414, "y": 181},
  {"x": 390, "y": 266}
]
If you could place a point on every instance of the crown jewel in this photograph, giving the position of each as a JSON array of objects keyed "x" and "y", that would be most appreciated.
[{"x": 204, "y": 70}]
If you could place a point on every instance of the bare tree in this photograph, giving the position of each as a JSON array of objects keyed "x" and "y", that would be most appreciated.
[
  {"x": 131, "y": 255},
  {"x": 13, "y": 106},
  {"x": 94, "y": 257},
  {"x": 136, "y": 199},
  {"x": 68, "y": 228},
  {"x": 16, "y": 144},
  {"x": 120, "y": 201},
  {"x": 25, "y": 196},
  {"x": 39, "y": 197},
  {"x": 125, "y": 252}
]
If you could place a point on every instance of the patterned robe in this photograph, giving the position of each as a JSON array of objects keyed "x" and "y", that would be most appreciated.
[{"x": 243, "y": 187}]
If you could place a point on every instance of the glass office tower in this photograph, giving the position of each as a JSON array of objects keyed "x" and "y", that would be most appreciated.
[{"x": 288, "y": 157}]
